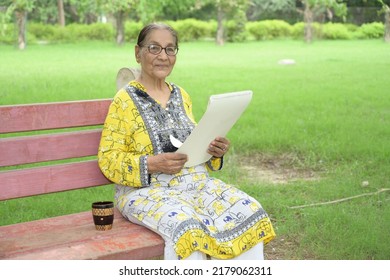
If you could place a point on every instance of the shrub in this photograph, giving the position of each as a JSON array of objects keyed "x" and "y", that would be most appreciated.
[
  {"x": 100, "y": 31},
  {"x": 96, "y": 31},
  {"x": 43, "y": 32},
  {"x": 236, "y": 28},
  {"x": 192, "y": 29},
  {"x": 62, "y": 35},
  {"x": 269, "y": 29},
  {"x": 335, "y": 31},
  {"x": 371, "y": 30},
  {"x": 71, "y": 33},
  {"x": 131, "y": 31},
  {"x": 298, "y": 31},
  {"x": 77, "y": 32},
  {"x": 48, "y": 32},
  {"x": 351, "y": 27},
  {"x": 7, "y": 34},
  {"x": 235, "y": 32},
  {"x": 212, "y": 28}
]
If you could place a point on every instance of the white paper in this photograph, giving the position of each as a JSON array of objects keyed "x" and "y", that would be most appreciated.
[{"x": 222, "y": 112}]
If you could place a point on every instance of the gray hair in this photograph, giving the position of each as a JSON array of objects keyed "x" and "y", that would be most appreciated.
[{"x": 155, "y": 26}]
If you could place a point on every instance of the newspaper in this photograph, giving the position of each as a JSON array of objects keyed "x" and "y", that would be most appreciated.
[{"x": 223, "y": 111}]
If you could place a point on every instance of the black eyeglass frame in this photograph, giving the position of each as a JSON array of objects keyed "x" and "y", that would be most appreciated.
[{"x": 176, "y": 49}]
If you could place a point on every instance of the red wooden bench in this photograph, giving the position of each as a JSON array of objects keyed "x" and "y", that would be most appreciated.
[{"x": 68, "y": 236}]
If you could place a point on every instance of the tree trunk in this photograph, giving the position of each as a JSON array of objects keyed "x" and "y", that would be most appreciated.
[
  {"x": 219, "y": 39},
  {"x": 387, "y": 24},
  {"x": 120, "y": 27},
  {"x": 21, "y": 18},
  {"x": 308, "y": 19},
  {"x": 61, "y": 13}
]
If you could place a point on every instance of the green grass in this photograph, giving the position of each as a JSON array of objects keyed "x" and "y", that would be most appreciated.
[{"x": 330, "y": 113}]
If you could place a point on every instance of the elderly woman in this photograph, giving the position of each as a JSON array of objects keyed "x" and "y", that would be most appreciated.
[{"x": 197, "y": 215}]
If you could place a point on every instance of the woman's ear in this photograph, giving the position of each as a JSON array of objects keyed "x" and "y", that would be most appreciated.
[{"x": 137, "y": 51}]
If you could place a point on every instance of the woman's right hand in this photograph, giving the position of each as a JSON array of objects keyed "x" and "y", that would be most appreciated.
[{"x": 168, "y": 163}]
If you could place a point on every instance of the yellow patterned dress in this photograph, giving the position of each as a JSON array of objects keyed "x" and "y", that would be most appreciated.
[{"x": 191, "y": 209}]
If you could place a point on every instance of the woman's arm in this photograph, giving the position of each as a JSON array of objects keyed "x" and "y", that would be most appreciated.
[{"x": 122, "y": 158}]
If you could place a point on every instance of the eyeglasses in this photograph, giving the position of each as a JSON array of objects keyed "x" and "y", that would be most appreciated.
[{"x": 156, "y": 49}]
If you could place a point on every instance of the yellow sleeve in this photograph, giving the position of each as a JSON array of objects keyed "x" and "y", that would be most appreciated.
[
  {"x": 214, "y": 164},
  {"x": 124, "y": 144},
  {"x": 187, "y": 104}
]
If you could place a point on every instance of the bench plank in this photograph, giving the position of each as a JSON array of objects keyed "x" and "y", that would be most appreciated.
[
  {"x": 73, "y": 237},
  {"x": 53, "y": 115},
  {"x": 39, "y": 148},
  {"x": 49, "y": 179}
]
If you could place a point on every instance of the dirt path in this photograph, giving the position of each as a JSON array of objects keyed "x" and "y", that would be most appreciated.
[{"x": 277, "y": 170}]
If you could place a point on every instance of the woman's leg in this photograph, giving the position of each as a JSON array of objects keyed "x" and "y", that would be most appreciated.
[{"x": 169, "y": 252}]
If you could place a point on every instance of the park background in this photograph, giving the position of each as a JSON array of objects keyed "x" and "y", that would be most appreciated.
[{"x": 313, "y": 145}]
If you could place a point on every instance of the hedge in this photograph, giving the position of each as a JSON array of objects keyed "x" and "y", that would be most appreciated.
[
  {"x": 269, "y": 29},
  {"x": 192, "y": 30}
]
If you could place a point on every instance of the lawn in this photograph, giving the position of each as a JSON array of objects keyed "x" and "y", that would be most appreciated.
[{"x": 315, "y": 131}]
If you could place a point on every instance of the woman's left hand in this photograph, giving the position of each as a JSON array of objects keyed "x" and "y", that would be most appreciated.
[{"x": 218, "y": 147}]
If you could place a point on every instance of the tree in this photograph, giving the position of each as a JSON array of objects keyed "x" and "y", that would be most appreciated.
[
  {"x": 146, "y": 11},
  {"x": 258, "y": 7},
  {"x": 173, "y": 9},
  {"x": 83, "y": 11},
  {"x": 313, "y": 7},
  {"x": 119, "y": 9},
  {"x": 224, "y": 8},
  {"x": 386, "y": 10},
  {"x": 20, "y": 8},
  {"x": 61, "y": 13},
  {"x": 45, "y": 11},
  {"x": 154, "y": 10}
]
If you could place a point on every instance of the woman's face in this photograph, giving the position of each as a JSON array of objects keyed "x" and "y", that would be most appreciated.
[{"x": 157, "y": 66}]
